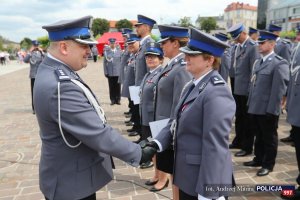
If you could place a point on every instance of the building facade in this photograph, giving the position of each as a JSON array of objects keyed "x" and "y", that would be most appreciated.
[
  {"x": 285, "y": 13},
  {"x": 240, "y": 13}
]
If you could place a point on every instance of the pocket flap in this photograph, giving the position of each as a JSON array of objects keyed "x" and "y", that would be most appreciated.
[{"x": 85, "y": 163}]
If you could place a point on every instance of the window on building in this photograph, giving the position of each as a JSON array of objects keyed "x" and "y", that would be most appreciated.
[{"x": 296, "y": 10}]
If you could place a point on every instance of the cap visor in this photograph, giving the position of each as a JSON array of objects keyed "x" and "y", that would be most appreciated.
[
  {"x": 187, "y": 50},
  {"x": 152, "y": 53},
  {"x": 163, "y": 39},
  {"x": 86, "y": 41},
  {"x": 137, "y": 24},
  {"x": 261, "y": 41}
]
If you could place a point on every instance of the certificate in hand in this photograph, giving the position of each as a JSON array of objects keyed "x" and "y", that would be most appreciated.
[{"x": 157, "y": 126}]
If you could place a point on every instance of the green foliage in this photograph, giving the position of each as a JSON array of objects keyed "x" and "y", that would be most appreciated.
[
  {"x": 208, "y": 24},
  {"x": 1, "y": 45},
  {"x": 185, "y": 22},
  {"x": 26, "y": 43},
  {"x": 123, "y": 23},
  {"x": 288, "y": 34},
  {"x": 155, "y": 37},
  {"x": 100, "y": 26},
  {"x": 44, "y": 41}
]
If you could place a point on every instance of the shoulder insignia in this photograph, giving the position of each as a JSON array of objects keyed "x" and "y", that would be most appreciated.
[
  {"x": 286, "y": 41},
  {"x": 279, "y": 57},
  {"x": 252, "y": 42},
  {"x": 62, "y": 75},
  {"x": 216, "y": 80},
  {"x": 182, "y": 62}
]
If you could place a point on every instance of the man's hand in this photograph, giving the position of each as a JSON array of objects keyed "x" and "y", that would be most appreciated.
[
  {"x": 148, "y": 150},
  {"x": 147, "y": 154}
]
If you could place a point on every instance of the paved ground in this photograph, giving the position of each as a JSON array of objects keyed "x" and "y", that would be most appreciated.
[{"x": 20, "y": 146}]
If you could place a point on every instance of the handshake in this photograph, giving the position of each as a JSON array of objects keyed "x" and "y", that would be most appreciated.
[{"x": 148, "y": 150}]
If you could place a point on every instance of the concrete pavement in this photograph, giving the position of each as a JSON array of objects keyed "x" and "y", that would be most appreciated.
[{"x": 20, "y": 146}]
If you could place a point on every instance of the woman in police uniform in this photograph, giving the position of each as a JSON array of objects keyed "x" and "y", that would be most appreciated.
[
  {"x": 203, "y": 119},
  {"x": 169, "y": 86}
]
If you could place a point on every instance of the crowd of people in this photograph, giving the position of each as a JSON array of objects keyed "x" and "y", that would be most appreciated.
[{"x": 182, "y": 83}]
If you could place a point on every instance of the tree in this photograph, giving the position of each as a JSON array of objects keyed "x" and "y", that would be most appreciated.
[
  {"x": 100, "y": 26},
  {"x": 26, "y": 43},
  {"x": 123, "y": 23},
  {"x": 208, "y": 24},
  {"x": 185, "y": 22},
  {"x": 44, "y": 42},
  {"x": 1, "y": 45}
]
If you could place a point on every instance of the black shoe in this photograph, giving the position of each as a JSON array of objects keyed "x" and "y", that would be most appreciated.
[
  {"x": 112, "y": 103},
  {"x": 138, "y": 141},
  {"x": 131, "y": 134},
  {"x": 263, "y": 172},
  {"x": 234, "y": 146},
  {"x": 128, "y": 116},
  {"x": 154, "y": 189},
  {"x": 118, "y": 102},
  {"x": 33, "y": 112},
  {"x": 242, "y": 153},
  {"x": 127, "y": 113},
  {"x": 133, "y": 129},
  {"x": 146, "y": 165},
  {"x": 287, "y": 139},
  {"x": 252, "y": 163},
  {"x": 150, "y": 183},
  {"x": 127, "y": 121}
]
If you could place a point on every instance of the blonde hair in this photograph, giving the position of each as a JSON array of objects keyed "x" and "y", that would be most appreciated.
[{"x": 217, "y": 60}]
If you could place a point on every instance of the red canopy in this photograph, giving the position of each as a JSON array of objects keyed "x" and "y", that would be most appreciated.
[{"x": 103, "y": 40}]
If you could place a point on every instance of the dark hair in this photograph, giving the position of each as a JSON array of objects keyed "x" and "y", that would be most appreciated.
[{"x": 182, "y": 41}]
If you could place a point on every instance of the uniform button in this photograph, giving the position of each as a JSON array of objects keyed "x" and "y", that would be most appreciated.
[{"x": 132, "y": 161}]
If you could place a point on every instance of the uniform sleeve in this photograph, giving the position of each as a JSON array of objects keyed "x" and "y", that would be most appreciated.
[
  {"x": 80, "y": 120},
  {"x": 27, "y": 58},
  {"x": 219, "y": 109},
  {"x": 279, "y": 86},
  {"x": 180, "y": 80},
  {"x": 105, "y": 63}
]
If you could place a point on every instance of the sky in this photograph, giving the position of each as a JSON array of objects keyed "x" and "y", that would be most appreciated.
[{"x": 24, "y": 18}]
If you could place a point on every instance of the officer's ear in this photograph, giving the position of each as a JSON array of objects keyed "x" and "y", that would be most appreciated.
[{"x": 63, "y": 47}]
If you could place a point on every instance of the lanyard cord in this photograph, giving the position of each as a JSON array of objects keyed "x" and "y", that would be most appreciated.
[{"x": 59, "y": 121}]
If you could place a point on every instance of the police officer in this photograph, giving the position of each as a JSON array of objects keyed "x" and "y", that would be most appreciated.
[
  {"x": 200, "y": 129},
  {"x": 225, "y": 59},
  {"x": 253, "y": 33},
  {"x": 154, "y": 59},
  {"x": 283, "y": 46},
  {"x": 112, "y": 65},
  {"x": 34, "y": 58},
  {"x": 129, "y": 74},
  {"x": 76, "y": 141},
  {"x": 246, "y": 53},
  {"x": 143, "y": 30},
  {"x": 125, "y": 54},
  {"x": 293, "y": 109},
  {"x": 170, "y": 82},
  {"x": 269, "y": 81}
]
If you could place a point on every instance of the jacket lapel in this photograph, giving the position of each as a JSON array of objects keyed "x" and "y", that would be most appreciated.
[{"x": 265, "y": 63}]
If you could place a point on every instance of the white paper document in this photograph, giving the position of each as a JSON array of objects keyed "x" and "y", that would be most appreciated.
[
  {"x": 157, "y": 126},
  {"x": 134, "y": 92}
]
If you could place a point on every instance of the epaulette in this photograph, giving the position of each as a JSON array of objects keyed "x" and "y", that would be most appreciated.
[
  {"x": 62, "y": 75},
  {"x": 279, "y": 57},
  {"x": 253, "y": 42},
  {"x": 286, "y": 41},
  {"x": 216, "y": 80}
]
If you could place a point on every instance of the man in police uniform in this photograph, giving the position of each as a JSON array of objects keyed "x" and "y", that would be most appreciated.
[
  {"x": 246, "y": 53},
  {"x": 112, "y": 65},
  {"x": 34, "y": 58},
  {"x": 143, "y": 30},
  {"x": 226, "y": 57},
  {"x": 269, "y": 81},
  {"x": 76, "y": 141},
  {"x": 283, "y": 46}
]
